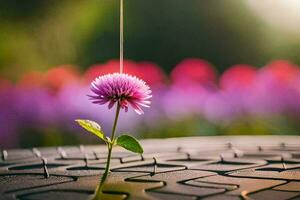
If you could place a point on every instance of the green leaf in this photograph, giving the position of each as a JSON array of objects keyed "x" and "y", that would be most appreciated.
[
  {"x": 130, "y": 143},
  {"x": 92, "y": 127}
]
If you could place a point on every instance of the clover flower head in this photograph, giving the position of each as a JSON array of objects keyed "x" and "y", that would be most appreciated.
[{"x": 124, "y": 89}]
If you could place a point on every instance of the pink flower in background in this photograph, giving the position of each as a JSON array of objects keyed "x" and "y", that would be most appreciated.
[
  {"x": 52, "y": 80},
  {"x": 111, "y": 66},
  {"x": 32, "y": 79},
  {"x": 60, "y": 76},
  {"x": 282, "y": 71},
  {"x": 5, "y": 84},
  {"x": 123, "y": 89},
  {"x": 151, "y": 73},
  {"x": 194, "y": 70},
  {"x": 147, "y": 71},
  {"x": 240, "y": 76}
]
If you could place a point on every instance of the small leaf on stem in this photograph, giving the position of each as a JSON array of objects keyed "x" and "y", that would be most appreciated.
[
  {"x": 130, "y": 143},
  {"x": 92, "y": 127}
]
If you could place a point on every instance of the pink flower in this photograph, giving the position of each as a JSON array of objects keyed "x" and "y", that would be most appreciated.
[
  {"x": 123, "y": 89},
  {"x": 147, "y": 71},
  {"x": 194, "y": 70},
  {"x": 240, "y": 76}
]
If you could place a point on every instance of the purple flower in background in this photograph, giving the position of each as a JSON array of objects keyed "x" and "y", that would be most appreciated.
[
  {"x": 181, "y": 101},
  {"x": 8, "y": 118},
  {"x": 36, "y": 107},
  {"x": 123, "y": 89}
]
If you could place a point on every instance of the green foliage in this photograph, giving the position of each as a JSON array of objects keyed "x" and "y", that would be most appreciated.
[
  {"x": 92, "y": 127},
  {"x": 130, "y": 143}
]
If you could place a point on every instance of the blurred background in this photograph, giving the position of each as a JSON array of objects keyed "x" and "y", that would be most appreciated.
[{"x": 215, "y": 67}]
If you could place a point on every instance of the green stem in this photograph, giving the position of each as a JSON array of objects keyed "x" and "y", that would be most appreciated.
[
  {"x": 115, "y": 122},
  {"x": 110, "y": 147}
]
